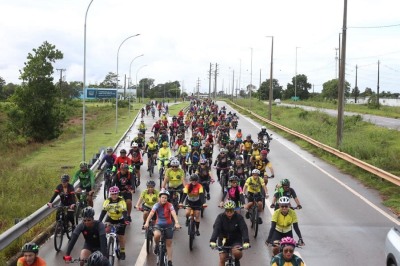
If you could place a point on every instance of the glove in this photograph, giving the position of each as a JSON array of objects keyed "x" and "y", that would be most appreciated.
[
  {"x": 272, "y": 206},
  {"x": 213, "y": 245},
  {"x": 67, "y": 258},
  {"x": 246, "y": 245},
  {"x": 205, "y": 205},
  {"x": 299, "y": 207},
  {"x": 300, "y": 242},
  {"x": 127, "y": 222}
]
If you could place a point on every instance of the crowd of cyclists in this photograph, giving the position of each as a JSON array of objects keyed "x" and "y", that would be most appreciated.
[{"x": 183, "y": 149}]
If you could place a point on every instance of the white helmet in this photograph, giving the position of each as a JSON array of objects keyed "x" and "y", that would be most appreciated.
[
  {"x": 263, "y": 128},
  {"x": 135, "y": 145},
  {"x": 284, "y": 200},
  {"x": 255, "y": 171}
]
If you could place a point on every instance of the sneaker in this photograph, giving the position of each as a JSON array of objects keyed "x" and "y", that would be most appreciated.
[
  {"x": 247, "y": 215},
  {"x": 122, "y": 255},
  {"x": 208, "y": 196},
  {"x": 259, "y": 220},
  {"x": 137, "y": 183},
  {"x": 170, "y": 263},
  {"x": 187, "y": 222},
  {"x": 156, "y": 248},
  {"x": 129, "y": 218},
  {"x": 197, "y": 232}
]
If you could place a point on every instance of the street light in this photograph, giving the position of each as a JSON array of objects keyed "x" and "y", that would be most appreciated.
[
  {"x": 251, "y": 75},
  {"x": 83, "y": 89},
  {"x": 295, "y": 78},
  {"x": 137, "y": 83},
  {"x": 116, "y": 96},
  {"x": 130, "y": 67},
  {"x": 271, "y": 94}
]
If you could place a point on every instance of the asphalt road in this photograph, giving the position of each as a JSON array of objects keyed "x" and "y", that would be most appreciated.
[{"x": 342, "y": 222}]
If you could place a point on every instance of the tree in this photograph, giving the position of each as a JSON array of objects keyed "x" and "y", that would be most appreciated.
[
  {"x": 2, "y": 85},
  {"x": 302, "y": 87},
  {"x": 69, "y": 90},
  {"x": 264, "y": 89},
  {"x": 355, "y": 93},
  {"x": 330, "y": 89},
  {"x": 36, "y": 113},
  {"x": 110, "y": 81}
]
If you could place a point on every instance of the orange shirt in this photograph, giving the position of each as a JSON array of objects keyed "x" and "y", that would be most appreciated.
[{"x": 38, "y": 262}]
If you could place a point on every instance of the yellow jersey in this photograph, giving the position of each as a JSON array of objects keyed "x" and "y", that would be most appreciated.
[
  {"x": 164, "y": 153},
  {"x": 254, "y": 185},
  {"x": 149, "y": 199},
  {"x": 183, "y": 150},
  {"x": 175, "y": 178},
  {"x": 284, "y": 222},
  {"x": 115, "y": 209}
]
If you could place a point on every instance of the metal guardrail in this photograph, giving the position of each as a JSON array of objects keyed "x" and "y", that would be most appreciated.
[
  {"x": 24, "y": 225},
  {"x": 342, "y": 155}
]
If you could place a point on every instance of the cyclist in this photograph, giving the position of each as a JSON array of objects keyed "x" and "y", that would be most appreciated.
[
  {"x": 122, "y": 159},
  {"x": 109, "y": 158},
  {"x": 234, "y": 193},
  {"x": 30, "y": 256},
  {"x": 124, "y": 181},
  {"x": 163, "y": 137},
  {"x": 156, "y": 128},
  {"x": 195, "y": 200},
  {"x": 94, "y": 233},
  {"x": 140, "y": 140},
  {"x": 246, "y": 148},
  {"x": 240, "y": 170},
  {"x": 204, "y": 176},
  {"x": 284, "y": 189},
  {"x": 253, "y": 186},
  {"x": 151, "y": 149},
  {"x": 231, "y": 148},
  {"x": 66, "y": 191},
  {"x": 222, "y": 162},
  {"x": 137, "y": 161},
  {"x": 286, "y": 255},
  {"x": 165, "y": 212},
  {"x": 147, "y": 199},
  {"x": 153, "y": 111},
  {"x": 115, "y": 208},
  {"x": 142, "y": 127},
  {"x": 174, "y": 177},
  {"x": 238, "y": 138},
  {"x": 183, "y": 151},
  {"x": 231, "y": 226},
  {"x": 97, "y": 259},
  {"x": 163, "y": 155},
  {"x": 86, "y": 177},
  {"x": 262, "y": 163},
  {"x": 282, "y": 221},
  {"x": 193, "y": 157}
]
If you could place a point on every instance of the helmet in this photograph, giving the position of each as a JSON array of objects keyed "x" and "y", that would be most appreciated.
[
  {"x": 232, "y": 141},
  {"x": 97, "y": 259},
  {"x": 284, "y": 200},
  {"x": 238, "y": 157},
  {"x": 230, "y": 204},
  {"x": 165, "y": 144},
  {"x": 83, "y": 165},
  {"x": 65, "y": 178},
  {"x": 285, "y": 182},
  {"x": 163, "y": 192},
  {"x": 223, "y": 150},
  {"x": 255, "y": 171},
  {"x": 264, "y": 152},
  {"x": 248, "y": 136},
  {"x": 110, "y": 149},
  {"x": 288, "y": 241},
  {"x": 233, "y": 178},
  {"x": 151, "y": 183},
  {"x": 263, "y": 128},
  {"x": 203, "y": 161},
  {"x": 194, "y": 177},
  {"x": 239, "y": 130},
  {"x": 124, "y": 166},
  {"x": 135, "y": 145},
  {"x": 175, "y": 162},
  {"x": 122, "y": 151},
  {"x": 30, "y": 247},
  {"x": 88, "y": 212},
  {"x": 196, "y": 144},
  {"x": 113, "y": 190}
]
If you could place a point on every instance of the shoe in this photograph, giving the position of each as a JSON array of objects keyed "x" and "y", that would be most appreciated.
[
  {"x": 170, "y": 263},
  {"x": 129, "y": 219},
  {"x": 259, "y": 220},
  {"x": 156, "y": 248},
  {"x": 187, "y": 222},
  {"x": 143, "y": 227},
  {"x": 208, "y": 196},
  {"x": 237, "y": 262},
  {"x": 137, "y": 183},
  {"x": 197, "y": 232},
  {"x": 122, "y": 256},
  {"x": 247, "y": 215}
]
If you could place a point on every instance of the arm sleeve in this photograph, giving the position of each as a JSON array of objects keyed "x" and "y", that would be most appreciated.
[
  {"x": 216, "y": 229},
  {"x": 102, "y": 214},
  {"x": 73, "y": 239},
  {"x": 271, "y": 231},
  {"x": 92, "y": 181},
  {"x": 244, "y": 230},
  {"x": 297, "y": 229},
  {"x": 53, "y": 197},
  {"x": 75, "y": 177},
  {"x": 103, "y": 239}
]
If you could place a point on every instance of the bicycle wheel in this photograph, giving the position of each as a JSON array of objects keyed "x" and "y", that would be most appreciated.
[
  {"x": 78, "y": 213},
  {"x": 191, "y": 233},
  {"x": 117, "y": 248},
  {"x": 161, "y": 175},
  {"x": 110, "y": 250},
  {"x": 58, "y": 236},
  {"x": 149, "y": 240},
  {"x": 161, "y": 257},
  {"x": 222, "y": 182},
  {"x": 106, "y": 187},
  {"x": 68, "y": 229},
  {"x": 255, "y": 221}
]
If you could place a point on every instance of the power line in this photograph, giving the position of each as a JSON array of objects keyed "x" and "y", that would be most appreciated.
[{"x": 375, "y": 27}]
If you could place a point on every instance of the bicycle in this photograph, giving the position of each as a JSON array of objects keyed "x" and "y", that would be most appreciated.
[
  {"x": 77, "y": 260},
  {"x": 229, "y": 259},
  {"x": 223, "y": 177},
  {"x": 162, "y": 258},
  {"x": 63, "y": 226},
  {"x": 151, "y": 162},
  {"x": 108, "y": 174},
  {"x": 162, "y": 170},
  {"x": 192, "y": 225},
  {"x": 113, "y": 248},
  {"x": 175, "y": 196},
  {"x": 254, "y": 214},
  {"x": 80, "y": 205}
]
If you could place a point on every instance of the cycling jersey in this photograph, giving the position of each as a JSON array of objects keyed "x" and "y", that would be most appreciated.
[
  {"x": 183, "y": 150},
  {"x": 109, "y": 159},
  {"x": 121, "y": 160},
  {"x": 284, "y": 222},
  {"x": 193, "y": 192},
  {"x": 142, "y": 126},
  {"x": 149, "y": 199},
  {"x": 247, "y": 145},
  {"x": 163, "y": 213},
  {"x": 278, "y": 260},
  {"x": 254, "y": 185},
  {"x": 256, "y": 153},
  {"x": 114, "y": 209},
  {"x": 38, "y": 262},
  {"x": 234, "y": 229},
  {"x": 260, "y": 163},
  {"x": 164, "y": 153},
  {"x": 86, "y": 178},
  {"x": 67, "y": 197},
  {"x": 95, "y": 237},
  {"x": 124, "y": 181},
  {"x": 175, "y": 178},
  {"x": 151, "y": 146}
]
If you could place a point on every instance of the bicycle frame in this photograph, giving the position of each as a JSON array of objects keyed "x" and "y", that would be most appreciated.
[{"x": 112, "y": 243}]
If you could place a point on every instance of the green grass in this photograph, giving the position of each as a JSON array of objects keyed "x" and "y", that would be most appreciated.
[{"x": 375, "y": 145}]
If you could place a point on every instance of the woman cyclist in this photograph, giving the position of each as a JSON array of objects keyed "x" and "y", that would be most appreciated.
[
  {"x": 147, "y": 199},
  {"x": 286, "y": 256},
  {"x": 234, "y": 193}
]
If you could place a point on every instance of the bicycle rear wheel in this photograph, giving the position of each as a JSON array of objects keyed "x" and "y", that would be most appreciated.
[
  {"x": 162, "y": 257},
  {"x": 110, "y": 250},
  {"x": 58, "y": 236}
]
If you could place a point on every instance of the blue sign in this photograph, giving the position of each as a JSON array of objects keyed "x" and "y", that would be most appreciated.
[{"x": 101, "y": 93}]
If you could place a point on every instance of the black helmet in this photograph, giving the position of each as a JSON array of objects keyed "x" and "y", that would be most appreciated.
[
  {"x": 122, "y": 151},
  {"x": 88, "y": 212},
  {"x": 30, "y": 247},
  {"x": 151, "y": 183},
  {"x": 194, "y": 177},
  {"x": 233, "y": 178},
  {"x": 65, "y": 178},
  {"x": 97, "y": 259},
  {"x": 285, "y": 182},
  {"x": 83, "y": 165}
]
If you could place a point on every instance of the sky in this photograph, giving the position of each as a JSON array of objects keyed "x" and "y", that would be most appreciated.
[{"x": 180, "y": 38}]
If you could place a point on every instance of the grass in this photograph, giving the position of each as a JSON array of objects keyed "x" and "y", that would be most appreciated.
[{"x": 372, "y": 144}]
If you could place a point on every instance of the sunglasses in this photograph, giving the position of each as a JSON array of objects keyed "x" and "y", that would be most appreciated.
[
  {"x": 229, "y": 210},
  {"x": 284, "y": 206},
  {"x": 288, "y": 250}
]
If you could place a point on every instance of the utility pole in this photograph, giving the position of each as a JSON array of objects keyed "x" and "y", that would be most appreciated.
[
  {"x": 215, "y": 80},
  {"x": 259, "y": 88},
  {"x": 233, "y": 83},
  {"x": 336, "y": 60},
  {"x": 209, "y": 81},
  {"x": 356, "y": 87},
  {"x": 125, "y": 87},
  {"x": 198, "y": 87},
  {"x": 377, "y": 89},
  {"x": 61, "y": 72}
]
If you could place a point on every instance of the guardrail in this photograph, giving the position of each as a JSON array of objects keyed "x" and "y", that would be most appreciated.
[
  {"x": 24, "y": 225},
  {"x": 342, "y": 155}
]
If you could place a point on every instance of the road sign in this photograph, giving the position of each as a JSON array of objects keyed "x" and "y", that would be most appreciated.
[{"x": 101, "y": 93}]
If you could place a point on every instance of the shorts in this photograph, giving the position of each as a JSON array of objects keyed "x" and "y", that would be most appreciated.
[
  {"x": 90, "y": 247},
  {"x": 121, "y": 228},
  {"x": 126, "y": 195},
  {"x": 89, "y": 188},
  {"x": 195, "y": 205},
  {"x": 169, "y": 230},
  {"x": 254, "y": 196}
]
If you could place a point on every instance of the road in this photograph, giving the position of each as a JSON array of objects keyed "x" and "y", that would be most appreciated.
[
  {"x": 381, "y": 121},
  {"x": 342, "y": 222}
]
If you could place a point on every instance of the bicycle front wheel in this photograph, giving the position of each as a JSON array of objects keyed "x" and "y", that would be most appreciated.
[
  {"x": 106, "y": 187},
  {"x": 149, "y": 240},
  {"x": 191, "y": 234},
  {"x": 255, "y": 222},
  {"x": 110, "y": 251},
  {"x": 78, "y": 213},
  {"x": 58, "y": 236}
]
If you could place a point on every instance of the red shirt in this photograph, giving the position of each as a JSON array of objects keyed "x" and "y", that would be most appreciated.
[{"x": 120, "y": 160}]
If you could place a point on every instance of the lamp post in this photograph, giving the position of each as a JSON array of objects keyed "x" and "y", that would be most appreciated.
[
  {"x": 251, "y": 75},
  {"x": 130, "y": 67},
  {"x": 116, "y": 96},
  {"x": 295, "y": 77},
  {"x": 137, "y": 83},
  {"x": 83, "y": 89},
  {"x": 271, "y": 93}
]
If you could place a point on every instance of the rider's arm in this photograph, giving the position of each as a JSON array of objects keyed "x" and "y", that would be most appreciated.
[
  {"x": 244, "y": 230},
  {"x": 271, "y": 231},
  {"x": 103, "y": 239},
  {"x": 92, "y": 180},
  {"x": 166, "y": 178},
  {"x": 75, "y": 177},
  {"x": 297, "y": 229},
  {"x": 74, "y": 238},
  {"x": 102, "y": 214},
  {"x": 216, "y": 228}
]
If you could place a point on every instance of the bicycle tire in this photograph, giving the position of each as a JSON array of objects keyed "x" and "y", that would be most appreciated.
[
  {"x": 117, "y": 248},
  {"x": 105, "y": 189},
  {"x": 149, "y": 241},
  {"x": 222, "y": 182},
  {"x": 68, "y": 229},
  {"x": 58, "y": 236},
  {"x": 255, "y": 221},
  {"x": 202, "y": 212},
  {"x": 161, "y": 257},
  {"x": 110, "y": 250},
  {"x": 78, "y": 213},
  {"x": 161, "y": 175},
  {"x": 191, "y": 233}
]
